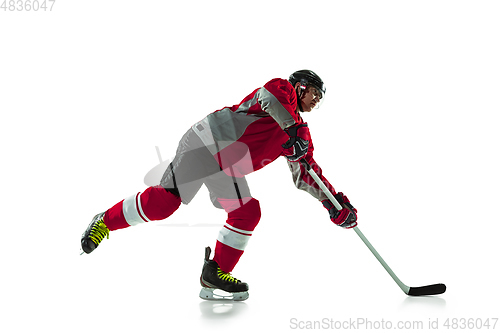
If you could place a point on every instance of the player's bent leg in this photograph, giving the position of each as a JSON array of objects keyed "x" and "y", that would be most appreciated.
[
  {"x": 234, "y": 236},
  {"x": 155, "y": 203}
]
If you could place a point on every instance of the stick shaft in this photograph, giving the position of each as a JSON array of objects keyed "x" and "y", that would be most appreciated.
[
  {"x": 330, "y": 196},
  {"x": 381, "y": 260}
]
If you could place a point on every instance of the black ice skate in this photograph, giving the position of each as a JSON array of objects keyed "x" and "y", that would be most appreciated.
[
  {"x": 94, "y": 234},
  {"x": 219, "y": 285}
]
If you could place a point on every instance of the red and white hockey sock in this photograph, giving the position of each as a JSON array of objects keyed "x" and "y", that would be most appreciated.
[
  {"x": 155, "y": 203},
  {"x": 234, "y": 236}
]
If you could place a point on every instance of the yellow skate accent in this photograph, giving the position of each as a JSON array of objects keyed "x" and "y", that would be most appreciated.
[
  {"x": 226, "y": 276},
  {"x": 99, "y": 230}
]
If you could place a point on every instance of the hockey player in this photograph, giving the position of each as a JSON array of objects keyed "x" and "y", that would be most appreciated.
[{"x": 219, "y": 151}]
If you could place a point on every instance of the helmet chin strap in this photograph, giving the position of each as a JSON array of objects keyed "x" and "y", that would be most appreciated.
[{"x": 300, "y": 92}]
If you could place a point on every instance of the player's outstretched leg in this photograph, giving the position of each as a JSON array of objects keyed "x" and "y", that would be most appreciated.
[
  {"x": 155, "y": 203},
  {"x": 213, "y": 279}
]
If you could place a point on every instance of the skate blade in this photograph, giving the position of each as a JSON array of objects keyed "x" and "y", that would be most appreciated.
[{"x": 212, "y": 294}]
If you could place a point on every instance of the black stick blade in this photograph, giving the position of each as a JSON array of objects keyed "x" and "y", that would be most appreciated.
[{"x": 433, "y": 289}]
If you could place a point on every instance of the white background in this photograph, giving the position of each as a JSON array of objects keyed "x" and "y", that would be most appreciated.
[{"x": 408, "y": 131}]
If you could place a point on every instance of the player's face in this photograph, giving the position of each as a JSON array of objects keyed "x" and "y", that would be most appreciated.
[{"x": 310, "y": 99}]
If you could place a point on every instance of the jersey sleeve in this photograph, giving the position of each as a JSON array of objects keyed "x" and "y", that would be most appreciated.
[
  {"x": 279, "y": 100},
  {"x": 302, "y": 179}
]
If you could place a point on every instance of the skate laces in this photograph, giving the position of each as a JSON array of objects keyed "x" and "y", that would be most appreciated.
[
  {"x": 226, "y": 276},
  {"x": 99, "y": 230}
]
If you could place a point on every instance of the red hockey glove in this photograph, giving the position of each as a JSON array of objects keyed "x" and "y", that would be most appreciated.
[
  {"x": 296, "y": 147},
  {"x": 347, "y": 216}
]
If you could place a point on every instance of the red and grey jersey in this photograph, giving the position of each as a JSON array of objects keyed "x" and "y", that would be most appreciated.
[{"x": 246, "y": 137}]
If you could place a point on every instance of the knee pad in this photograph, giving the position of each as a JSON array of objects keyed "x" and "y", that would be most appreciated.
[
  {"x": 158, "y": 203},
  {"x": 155, "y": 203},
  {"x": 245, "y": 217}
]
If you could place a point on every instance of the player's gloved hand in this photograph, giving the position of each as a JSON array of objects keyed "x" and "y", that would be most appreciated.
[
  {"x": 347, "y": 216},
  {"x": 296, "y": 147}
]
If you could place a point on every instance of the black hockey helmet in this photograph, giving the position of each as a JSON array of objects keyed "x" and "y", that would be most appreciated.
[{"x": 308, "y": 78}]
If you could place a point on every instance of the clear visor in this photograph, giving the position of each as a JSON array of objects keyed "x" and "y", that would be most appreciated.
[{"x": 317, "y": 95}]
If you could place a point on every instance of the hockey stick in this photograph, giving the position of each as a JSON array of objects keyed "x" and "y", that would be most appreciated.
[{"x": 433, "y": 289}]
